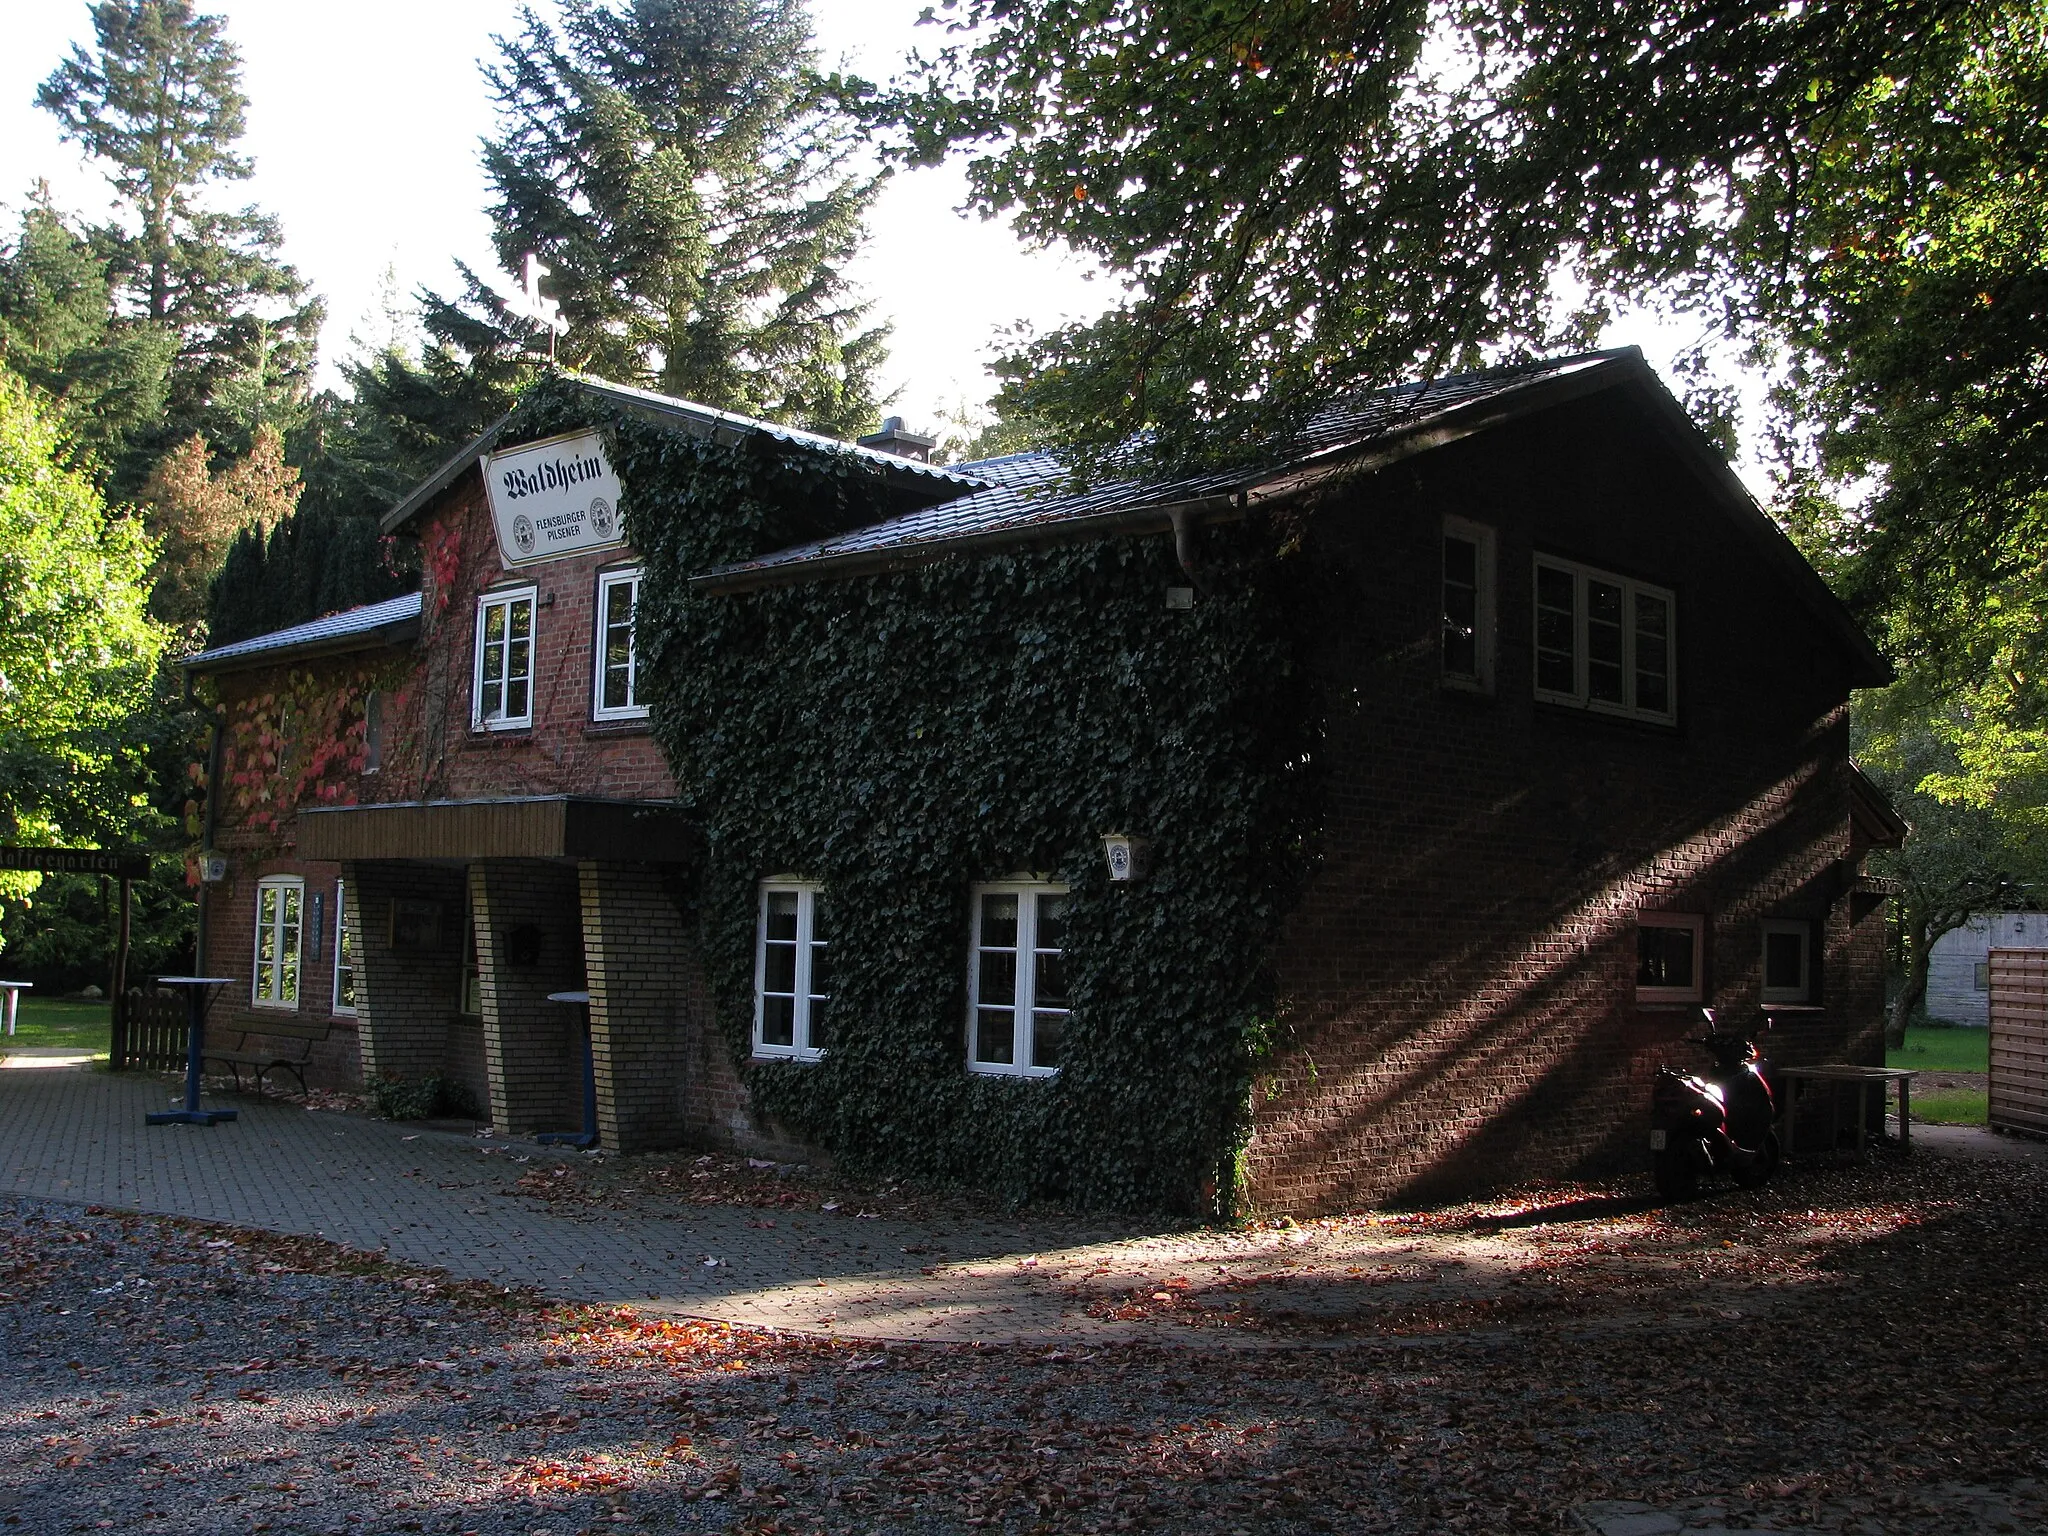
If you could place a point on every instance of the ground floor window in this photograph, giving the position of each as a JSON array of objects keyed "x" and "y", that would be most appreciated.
[
  {"x": 1788, "y": 961},
  {"x": 279, "y": 902},
  {"x": 344, "y": 953},
  {"x": 471, "y": 1000},
  {"x": 792, "y": 975},
  {"x": 1017, "y": 982},
  {"x": 1669, "y": 963}
]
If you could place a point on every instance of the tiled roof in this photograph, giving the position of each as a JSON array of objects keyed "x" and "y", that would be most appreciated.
[
  {"x": 1025, "y": 491},
  {"x": 925, "y": 482},
  {"x": 386, "y": 623}
]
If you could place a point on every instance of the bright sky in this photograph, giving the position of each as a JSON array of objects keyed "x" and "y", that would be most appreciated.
[{"x": 364, "y": 122}]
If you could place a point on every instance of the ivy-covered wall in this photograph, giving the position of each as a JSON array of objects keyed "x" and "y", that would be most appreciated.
[{"x": 902, "y": 736}]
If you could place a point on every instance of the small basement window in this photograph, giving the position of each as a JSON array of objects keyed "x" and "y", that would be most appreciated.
[
  {"x": 1669, "y": 962},
  {"x": 1788, "y": 962},
  {"x": 503, "y": 692},
  {"x": 792, "y": 975},
  {"x": 1017, "y": 984}
]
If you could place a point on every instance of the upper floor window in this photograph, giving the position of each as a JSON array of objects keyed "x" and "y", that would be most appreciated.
[
  {"x": 1466, "y": 650},
  {"x": 344, "y": 953},
  {"x": 792, "y": 985},
  {"x": 373, "y": 731},
  {"x": 616, "y": 689},
  {"x": 1017, "y": 984},
  {"x": 1604, "y": 642},
  {"x": 504, "y": 660},
  {"x": 279, "y": 903}
]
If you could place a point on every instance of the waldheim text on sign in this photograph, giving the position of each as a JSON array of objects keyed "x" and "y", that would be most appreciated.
[{"x": 552, "y": 498}]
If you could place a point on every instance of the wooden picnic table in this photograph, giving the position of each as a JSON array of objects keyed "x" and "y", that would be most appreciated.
[{"x": 1836, "y": 1074}]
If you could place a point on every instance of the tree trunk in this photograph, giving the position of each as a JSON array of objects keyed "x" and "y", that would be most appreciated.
[{"x": 1916, "y": 932}]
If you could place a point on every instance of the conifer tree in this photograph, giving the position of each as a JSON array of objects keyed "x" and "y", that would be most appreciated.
[
  {"x": 157, "y": 101},
  {"x": 105, "y": 377},
  {"x": 676, "y": 167}
]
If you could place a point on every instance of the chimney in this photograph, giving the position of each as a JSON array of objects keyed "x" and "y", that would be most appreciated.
[{"x": 905, "y": 445}]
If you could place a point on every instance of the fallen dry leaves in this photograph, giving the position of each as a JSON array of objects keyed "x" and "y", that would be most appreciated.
[{"x": 1833, "y": 1352}]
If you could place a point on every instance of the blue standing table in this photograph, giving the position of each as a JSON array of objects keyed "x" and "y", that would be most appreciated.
[
  {"x": 588, "y": 1136},
  {"x": 196, "y": 999}
]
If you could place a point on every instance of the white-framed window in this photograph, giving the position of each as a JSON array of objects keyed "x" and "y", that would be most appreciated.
[
  {"x": 615, "y": 690},
  {"x": 1604, "y": 642},
  {"x": 1465, "y": 649},
  {"x": 1017, "y": 1004},
  {"x": 503, "y": 692},
  {"x": 373, "y": 731},
  {"x": 1788, "y": 961},
  {"x": 280, "y": 900},
  {"x": 792, "y": 980},
  {"x": 1670, "y": 957},
  {"x": 344, "y": 953}
]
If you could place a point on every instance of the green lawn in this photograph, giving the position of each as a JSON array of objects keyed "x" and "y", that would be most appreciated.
[
  {"x": 1943, "y": 1050},
  {"x": 54, "y": 1021},
  {"x": 1946, "y": 1050}
]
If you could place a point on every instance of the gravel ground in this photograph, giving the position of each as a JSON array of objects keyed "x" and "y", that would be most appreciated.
[{"x": 1854, "y": 1350}]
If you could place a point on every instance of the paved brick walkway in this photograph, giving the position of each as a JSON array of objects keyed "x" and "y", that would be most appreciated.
[{"x": 436, "y": 1198}]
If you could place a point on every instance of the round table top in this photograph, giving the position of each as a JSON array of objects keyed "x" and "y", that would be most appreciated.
[
  {"x": 194, "y": 981},
  {"x": 569, "y": 997}
]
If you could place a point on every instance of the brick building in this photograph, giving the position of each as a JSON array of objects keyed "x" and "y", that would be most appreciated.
[{"x": 1584, "y": 765}]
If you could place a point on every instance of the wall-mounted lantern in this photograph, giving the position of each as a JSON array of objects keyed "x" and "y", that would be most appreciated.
[{"x": 1129, "y": 857}]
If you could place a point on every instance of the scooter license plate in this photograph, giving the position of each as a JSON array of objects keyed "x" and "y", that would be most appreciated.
[{"x": 1657, "y": 1140}]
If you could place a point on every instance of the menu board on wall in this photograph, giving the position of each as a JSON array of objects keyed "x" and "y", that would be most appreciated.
[{"x": 552, "y": 498}]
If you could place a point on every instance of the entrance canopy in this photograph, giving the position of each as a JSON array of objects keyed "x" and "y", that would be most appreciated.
[{"x": 523, "y": 827}]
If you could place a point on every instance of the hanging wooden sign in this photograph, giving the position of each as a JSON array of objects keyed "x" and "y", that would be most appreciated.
[
  {"x": 552, "y": 498},
  {"x": 77, "y": 861}
]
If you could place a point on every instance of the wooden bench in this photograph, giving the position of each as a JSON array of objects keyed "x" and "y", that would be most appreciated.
[{"x": 265, "y": 1061}]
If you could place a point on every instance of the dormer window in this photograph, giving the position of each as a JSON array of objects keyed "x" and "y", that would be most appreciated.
[
  {"x": 503, "y": 695},
  {"x": 615, "y": 691}
]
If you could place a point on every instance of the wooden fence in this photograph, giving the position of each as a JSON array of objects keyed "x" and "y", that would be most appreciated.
[
  {"x": 2019, "y": 1039},
  {"x": 154, "y": 1038}
]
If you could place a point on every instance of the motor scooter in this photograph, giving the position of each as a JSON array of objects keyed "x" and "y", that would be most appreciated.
[{"x": 1719, "y": 1122}]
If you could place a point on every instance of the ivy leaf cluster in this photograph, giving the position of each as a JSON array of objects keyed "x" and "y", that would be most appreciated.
[{"x": 902, "y": 736}]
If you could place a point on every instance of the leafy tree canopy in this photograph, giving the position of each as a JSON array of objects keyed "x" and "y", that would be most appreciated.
[
  {"x": 78, "y": 650},
  {"x": 677, "y": 168},
  {"x": 194, "y": 513},
  {"x": 1306, "y": 196},
  {"x": 157, "y": 101}
]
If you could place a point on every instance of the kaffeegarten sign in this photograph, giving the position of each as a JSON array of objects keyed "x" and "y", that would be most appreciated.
[{"x": 552, "y": 498}]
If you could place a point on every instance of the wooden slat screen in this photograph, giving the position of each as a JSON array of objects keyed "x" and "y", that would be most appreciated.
[
  {"x": 156, "y": 1031},
  {"x": 2019, "y": 1039}
]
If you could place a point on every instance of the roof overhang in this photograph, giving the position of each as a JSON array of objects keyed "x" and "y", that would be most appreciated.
[
  {"x": 917, "y": 483},
  {"x": 1267, "y": 487},
  {"x": 248, "y": 655},
  {"x": 523, "y": 827},
  {"x": 1876, "y": 820},
  {"x": 1624, "y": 370}
]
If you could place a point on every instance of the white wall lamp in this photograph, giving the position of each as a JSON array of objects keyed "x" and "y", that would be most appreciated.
[{"x": 1130, "y": 858}]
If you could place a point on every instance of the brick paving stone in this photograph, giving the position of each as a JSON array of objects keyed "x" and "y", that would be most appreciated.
[{"x": 438, "y": 1198}]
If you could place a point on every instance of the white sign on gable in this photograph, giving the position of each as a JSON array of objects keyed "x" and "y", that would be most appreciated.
[{"x": 552, "y": 498}]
